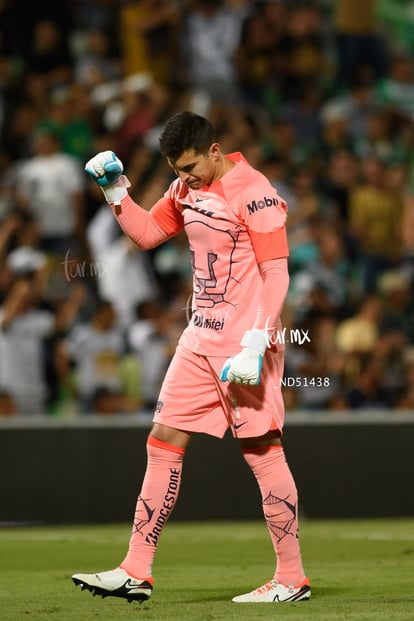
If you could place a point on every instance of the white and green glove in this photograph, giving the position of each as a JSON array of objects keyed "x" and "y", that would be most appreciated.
[
  {"x": 246, "y": 366},
  {"x": 107, "y": 170}
]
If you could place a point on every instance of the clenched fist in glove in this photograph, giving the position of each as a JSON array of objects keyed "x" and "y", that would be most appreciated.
[
  {"x": 246, "y": 366},
  {"x": 107, "y": 170}
]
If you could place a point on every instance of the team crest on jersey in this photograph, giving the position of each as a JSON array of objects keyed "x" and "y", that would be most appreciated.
[{"x": 158, "y": 407}]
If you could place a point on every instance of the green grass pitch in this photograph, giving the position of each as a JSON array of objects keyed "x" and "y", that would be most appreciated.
[{"x": 360, "y": 570}]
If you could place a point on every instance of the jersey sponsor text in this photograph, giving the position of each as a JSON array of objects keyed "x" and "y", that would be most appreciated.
[
  {"x": 254, "y": 206},
  {"x": 209, "y": 323}
]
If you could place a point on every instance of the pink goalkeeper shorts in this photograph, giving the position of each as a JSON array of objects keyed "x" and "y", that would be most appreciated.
[{"x": 193, "y": 398}]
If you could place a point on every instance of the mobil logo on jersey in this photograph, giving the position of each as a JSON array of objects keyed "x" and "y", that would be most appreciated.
[{"x": 262, "y": 203}]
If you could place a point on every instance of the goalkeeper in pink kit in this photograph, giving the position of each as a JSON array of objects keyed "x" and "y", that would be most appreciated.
[{"x": 226, "y": 370}]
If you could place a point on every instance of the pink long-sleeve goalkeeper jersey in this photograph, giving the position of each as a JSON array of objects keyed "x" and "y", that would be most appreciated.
[{"x": 232, "y": 226}]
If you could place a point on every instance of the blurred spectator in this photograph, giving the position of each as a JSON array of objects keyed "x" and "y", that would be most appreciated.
[
  {"x": 304, "y": 114},
  {"x": 405, "y": 400},
  {"x": 303, "y": 219},
  {"x": 276, "y": 170},
  {"x": 335, "y": 134},
  {"x": 50, "y": 186},
  {"x": 398, "y": 180},
  {"x": 102, "y": 231},
  {"x": 20, "y": 253},
  {"x": 24, "y": 259},
  {"x": 336, "y": 186},
  {"x": 280, "y": 139},
  {"x": 48, "y": 63},
  {"x": 375, "y": 221},
  {"x": 69, "y": 115},
  {"x": 9, "y": 227},
  {"x": 90, "y": 358},
  {"x": 255, "y": 57},
  {"x": 130, "y": 110},
  {"x": 137, "y": 116},
  {"x": 378, "y": 140},
  {"x": 17, "y": 135},
  {"x": 395, "y": 288},
  {"x": 172, "y": 260},
  {"x": 360, "y": 48},
  {"x": 211, "y": 35},
  {"x": 149, "y": 340},
  {"x": 397, "y": 23},
  {"x": 95, "y": 15},
  {"x": 148, "y": 39},
  {"x": 12, "y": 37},
  {"x": 395, "y": 92},
  {"x": 106, "y": 401},
  {"x": 323, "y": 286},
  {"x": 408, "y": 236},
  {"x": 96, "y": 61},
  {"x": 369, "y": 392},
  {"x": 388, "y": 348},
  {"x": 356, "y": 105},
  {"x": 24, "y": 328},
  {"x": 314, "y": 366},
  {"x": 145, "y": 169},
  {"x": 124, "y": 274},
  {"x": 301, "y": 59},
  {"x": 359, "y": 332}
]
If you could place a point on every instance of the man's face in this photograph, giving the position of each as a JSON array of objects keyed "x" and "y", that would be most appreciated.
[{"x": 197, "y": 169}]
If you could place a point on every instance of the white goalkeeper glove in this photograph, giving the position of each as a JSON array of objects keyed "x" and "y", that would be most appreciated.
[
  {"x": 107, "y": 170},
  {"x": 246, "y": 366}
]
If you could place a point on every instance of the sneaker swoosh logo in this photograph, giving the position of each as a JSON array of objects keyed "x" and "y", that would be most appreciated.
[{"x": 129, "y": 585}]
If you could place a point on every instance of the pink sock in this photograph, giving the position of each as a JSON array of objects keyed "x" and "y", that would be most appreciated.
[
  {"x": 280, "y": 508},
  {"x": 157, "y": 498}
]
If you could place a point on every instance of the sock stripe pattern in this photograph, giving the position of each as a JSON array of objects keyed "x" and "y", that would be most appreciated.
[
  {"x": 164, "y": 445},
  {"x": 279, "y": 501}
]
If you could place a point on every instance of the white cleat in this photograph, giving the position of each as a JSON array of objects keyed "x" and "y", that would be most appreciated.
[
  {"x": 115, "y": 583},
  {"x": 275, "y": 591}
]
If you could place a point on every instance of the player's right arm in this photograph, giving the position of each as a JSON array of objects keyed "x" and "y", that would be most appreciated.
[{"x": 147, "y": 229}]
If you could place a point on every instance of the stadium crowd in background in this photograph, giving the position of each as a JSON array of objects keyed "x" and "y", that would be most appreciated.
[{"x": 318, "y": 95}]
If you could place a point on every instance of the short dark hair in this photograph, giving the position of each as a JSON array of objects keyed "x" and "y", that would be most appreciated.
[{"x": 186, "y": 130}]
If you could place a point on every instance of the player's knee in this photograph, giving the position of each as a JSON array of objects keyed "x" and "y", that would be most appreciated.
[
  {"x": 271, "y": 438},
  {"x": 169, "y": 435}
]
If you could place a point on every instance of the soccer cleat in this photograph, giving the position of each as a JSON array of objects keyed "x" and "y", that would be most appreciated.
[
  {"x": 115, "y": 583},
  {"x": 275, "y": 591}
]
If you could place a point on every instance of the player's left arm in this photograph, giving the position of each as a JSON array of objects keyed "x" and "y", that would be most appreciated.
[
  {"x": 271, "y": 251},
  {"x": 245, "y": 367}
]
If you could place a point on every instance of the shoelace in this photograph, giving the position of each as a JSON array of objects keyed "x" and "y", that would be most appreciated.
[{"x": 266, "y": 587}]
